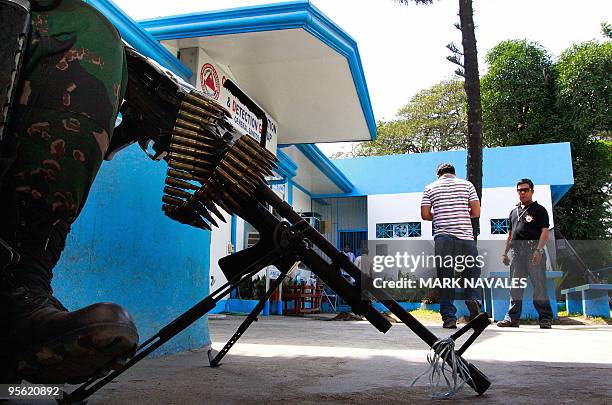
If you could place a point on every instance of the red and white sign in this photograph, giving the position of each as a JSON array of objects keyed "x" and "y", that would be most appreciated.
[
  {"x": 243, "y": 118},
  {"x": 209, "y": 81}
]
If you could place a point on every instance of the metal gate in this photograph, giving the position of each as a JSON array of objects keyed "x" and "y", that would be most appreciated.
[{"x": 344, "y": 220}]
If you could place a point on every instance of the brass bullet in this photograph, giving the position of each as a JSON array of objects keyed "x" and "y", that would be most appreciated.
[
  {"x": 202, "y": 163},
  {"x": 200, "y": 144},
  {"x": 184, "y": 176},
  {"x": 213, "y": 190},
  {"x": 201, "y": 136},
  {"x": 173, "y": 201},
  {"x": 210, "y": 205},
  {"x": 258, "y": 147},
  {"x": 195, "y": 119},
  {"x": 189, "y": 168},
  {"x": 254, "y": 153},
  {"x": 204, "y": 212},
  {"x": 184, "y": 217},
  {"x": 187, "y": 151},
  {"x": 180, "y": 184},
  {"x": 231, "y": 201},
  {"x": 198, "y": 111},
  {"x": 176, "y": 192},
  {"x": 238, "y": 176},
  {"x": 232, "y": 181},
  {"x": 187, "y": 125},
  {"x": 201, "y": 101}
]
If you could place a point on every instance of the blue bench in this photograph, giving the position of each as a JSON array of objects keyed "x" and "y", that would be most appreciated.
[
  {"x": 588, "y": 299},
  {"x": 500, "y": 297}
]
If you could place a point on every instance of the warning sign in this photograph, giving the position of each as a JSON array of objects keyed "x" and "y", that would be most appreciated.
[{"x": 209, "y": 80}]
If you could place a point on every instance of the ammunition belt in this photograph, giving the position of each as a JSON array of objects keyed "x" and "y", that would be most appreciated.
[{"x": 209, "y": 166}]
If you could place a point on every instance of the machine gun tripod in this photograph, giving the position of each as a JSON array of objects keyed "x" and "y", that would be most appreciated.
[{"x": 282, "y": 244}]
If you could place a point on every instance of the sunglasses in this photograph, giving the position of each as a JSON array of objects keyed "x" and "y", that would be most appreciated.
[{"x": 523, "y": 190}]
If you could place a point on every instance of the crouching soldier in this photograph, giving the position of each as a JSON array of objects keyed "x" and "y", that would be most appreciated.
[{"x": 72, "y": 82}]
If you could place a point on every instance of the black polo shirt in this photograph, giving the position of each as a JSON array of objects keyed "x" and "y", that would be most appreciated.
[{"x": 527, "y": 223}]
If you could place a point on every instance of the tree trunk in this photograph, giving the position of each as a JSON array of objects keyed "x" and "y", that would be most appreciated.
[{"x": 472, "y": 91}]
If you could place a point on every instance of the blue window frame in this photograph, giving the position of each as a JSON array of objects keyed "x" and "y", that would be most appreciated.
[
  {"x": 398, "y": 230},
  {"x": 500, "y": 226}
]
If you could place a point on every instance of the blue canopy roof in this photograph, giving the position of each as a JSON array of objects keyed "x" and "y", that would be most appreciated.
[{"x": 544, "y": 163}]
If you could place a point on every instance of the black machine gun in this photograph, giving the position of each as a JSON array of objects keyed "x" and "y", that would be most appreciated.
[{"x": 211, "y": 166}]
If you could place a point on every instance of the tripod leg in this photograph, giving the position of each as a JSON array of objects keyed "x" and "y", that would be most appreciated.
[{"x": 249, "y": 319}]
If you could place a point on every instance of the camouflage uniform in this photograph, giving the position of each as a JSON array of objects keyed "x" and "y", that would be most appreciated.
[{"x": 73, "y": 83}]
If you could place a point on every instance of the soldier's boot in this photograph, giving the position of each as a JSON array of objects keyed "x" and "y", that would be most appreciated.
[
  {"x": 40, "y": 340},
  {"x": 53, "y": 345}
]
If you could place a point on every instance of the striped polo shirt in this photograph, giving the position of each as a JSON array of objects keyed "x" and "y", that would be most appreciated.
[{"x": 449, "y": 197}]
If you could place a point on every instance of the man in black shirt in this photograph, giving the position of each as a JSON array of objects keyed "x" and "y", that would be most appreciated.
[{"x": 527, "y": 237}]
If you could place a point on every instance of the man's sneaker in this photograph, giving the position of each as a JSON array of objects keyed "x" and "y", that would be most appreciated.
[
  {"x": 508, "y": 324},
  {"x": 450, "y": 323},
  {"x": 545, "y": 324},
  {"x": 474, "y": 307}
]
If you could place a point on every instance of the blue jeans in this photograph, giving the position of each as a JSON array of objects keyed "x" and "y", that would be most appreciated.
[
  {"x": 448, "y": 245},
  {"x": 521, "y": 267}
]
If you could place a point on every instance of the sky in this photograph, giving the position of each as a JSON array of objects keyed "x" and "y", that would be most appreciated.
[{"x": 403, "y": 48}]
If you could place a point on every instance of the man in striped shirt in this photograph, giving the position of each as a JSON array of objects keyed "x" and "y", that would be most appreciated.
[{"x": 450, "y": 203}]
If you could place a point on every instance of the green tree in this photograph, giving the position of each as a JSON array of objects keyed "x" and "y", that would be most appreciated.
[
  {"x": 585, "y": 88},
  {"x": 528, "y": 99},
  {"x": 584, "y": 212},
  {"x": 518, "y": 95},
  {"x": 434, "y": 120},
  {"x": 585, "y": 91}
]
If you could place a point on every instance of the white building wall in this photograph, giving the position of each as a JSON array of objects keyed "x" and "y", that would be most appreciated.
[
  {"x": 497, "y": 204},
  {"x": 239, "y": 234},
  {"x": 301, "y": 201},
  {"x": 220, "y": 238},
  {"x": 393, "y": 208},
  {"x": 406, "y": 207}
]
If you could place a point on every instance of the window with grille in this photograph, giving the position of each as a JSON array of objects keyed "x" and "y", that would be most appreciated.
[
  {"x": 398, "y": 230},
  {"x": 500, "y": 226}
]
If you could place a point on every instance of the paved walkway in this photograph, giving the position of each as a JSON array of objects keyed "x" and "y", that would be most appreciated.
[{"x": 291, "y": 360}]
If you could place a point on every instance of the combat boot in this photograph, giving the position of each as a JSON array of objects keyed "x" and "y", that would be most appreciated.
[{"x": 40, "y": 340}]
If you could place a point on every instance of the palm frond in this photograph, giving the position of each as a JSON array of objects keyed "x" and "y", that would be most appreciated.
[
  {"x": 454, "y": 49},
  {"x": 454, "y": 59}
]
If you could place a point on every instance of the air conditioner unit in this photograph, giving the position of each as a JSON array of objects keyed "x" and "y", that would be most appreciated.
[{"x": 313, "y": 219}]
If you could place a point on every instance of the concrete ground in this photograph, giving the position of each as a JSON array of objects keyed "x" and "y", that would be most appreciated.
[{"x": 295, "y": 360}]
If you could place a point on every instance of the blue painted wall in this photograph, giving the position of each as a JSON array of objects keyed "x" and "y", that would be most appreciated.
[{"x": 123, "y": 249}]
